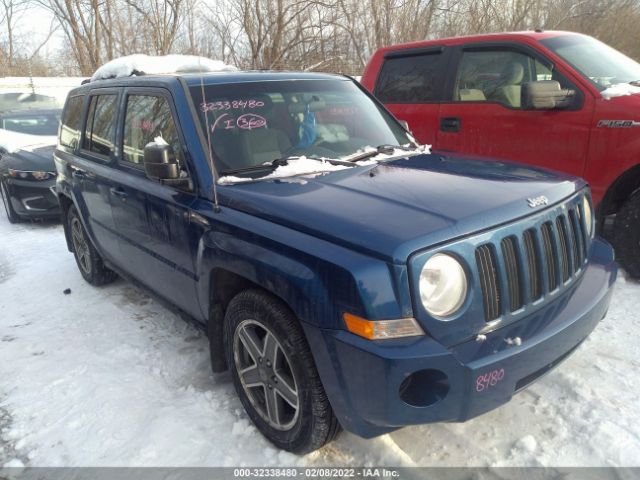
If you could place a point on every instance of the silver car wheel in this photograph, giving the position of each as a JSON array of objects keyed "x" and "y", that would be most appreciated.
[
  {"x": 266, "y": 375},
  {"x": 80, "y": 245}
]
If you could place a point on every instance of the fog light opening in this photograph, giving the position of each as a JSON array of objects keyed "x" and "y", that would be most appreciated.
[{"x": 424, "y": 388}]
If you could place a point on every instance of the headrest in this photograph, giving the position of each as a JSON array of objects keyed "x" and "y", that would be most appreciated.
[{"x": 513, "y": 74}]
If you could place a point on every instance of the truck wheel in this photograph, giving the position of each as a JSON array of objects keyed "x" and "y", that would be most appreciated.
[
  {"x": 88, "y": 259},
  {"x": 12, "y": 216},
  {"x": 626, "y": 235},
  {"x": 274, "y": 374}
]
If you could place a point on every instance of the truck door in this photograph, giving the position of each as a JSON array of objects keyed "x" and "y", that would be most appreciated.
[
  {"x": 411, "y": 85},
  {"x": 484, "y": 115},
  {"x": 152, "y": 219}
]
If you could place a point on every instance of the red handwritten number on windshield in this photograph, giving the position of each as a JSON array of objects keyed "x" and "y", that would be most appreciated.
[
  {"x": 249, "y": 121},
  {"x": 229, "y": 105},
  {"x": 489, "y": 379}
]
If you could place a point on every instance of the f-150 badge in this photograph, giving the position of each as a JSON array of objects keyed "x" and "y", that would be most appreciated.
[{"x": 618, "y": 123}]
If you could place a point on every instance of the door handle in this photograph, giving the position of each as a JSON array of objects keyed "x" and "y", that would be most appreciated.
[
  {"x": 450, "y": 124},
  {"x": 79, "y": 174},
  {"x": 118, "y": 192}
]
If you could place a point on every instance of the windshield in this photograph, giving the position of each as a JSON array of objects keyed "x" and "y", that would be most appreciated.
[
  {"x": 32, "y": 124},
  {"x": 259, "y": 122},
  {"x": 600, "y": 63}
]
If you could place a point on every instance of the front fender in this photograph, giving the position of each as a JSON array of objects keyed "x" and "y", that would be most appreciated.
[{"x": 317, "y": 279}]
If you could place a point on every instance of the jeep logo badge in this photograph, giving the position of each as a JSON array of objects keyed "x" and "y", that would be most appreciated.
[{"x": 537, "y": 201}]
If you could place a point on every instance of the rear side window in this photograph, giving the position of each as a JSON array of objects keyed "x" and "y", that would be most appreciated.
[
  {"x": 147, "y": 118},
  {"x": 101, "y": 121},
  {"x": 71, "y": 122},
  {"x": 411, "y": 79}
]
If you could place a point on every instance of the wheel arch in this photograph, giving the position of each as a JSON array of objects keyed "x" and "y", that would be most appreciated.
[
  {"x": 224, "y": 285},
  {"x": 65, "y": 203},
  {"x": 621, "y": 189}
]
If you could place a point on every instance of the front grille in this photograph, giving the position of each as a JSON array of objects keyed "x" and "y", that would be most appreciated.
[
  {"x": 486, "y": 259},
  {"x": 514, "y": 275},
  {"x": 525, "y": 267}
]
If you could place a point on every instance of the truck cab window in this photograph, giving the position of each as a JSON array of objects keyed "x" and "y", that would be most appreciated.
[
  {"x": 493, "y": 76},
  {"x": 411, "y": 79}
]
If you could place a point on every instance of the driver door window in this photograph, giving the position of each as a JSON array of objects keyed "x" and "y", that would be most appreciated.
[
  {"x": 493, "y": 76},
  {"x": 149, "y": 118}
]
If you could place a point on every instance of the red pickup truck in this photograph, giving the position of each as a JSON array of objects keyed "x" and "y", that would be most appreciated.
[{"x": 559, "y": 100}]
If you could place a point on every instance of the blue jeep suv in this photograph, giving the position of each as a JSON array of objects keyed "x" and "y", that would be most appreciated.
[{"x": 346, "y": 276}]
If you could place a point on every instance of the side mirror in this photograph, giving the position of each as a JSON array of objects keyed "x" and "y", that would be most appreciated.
[
  {"x": 160, "y": 162},
  {"x": 545, "y": 95}
]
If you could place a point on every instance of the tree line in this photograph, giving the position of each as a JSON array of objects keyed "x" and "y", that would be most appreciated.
[{"x": 321, "y": 35}]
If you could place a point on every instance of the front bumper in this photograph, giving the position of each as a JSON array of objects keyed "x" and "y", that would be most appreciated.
[
  {"x": 363, "y": 379},
  {"x": 33, "y": 199}
]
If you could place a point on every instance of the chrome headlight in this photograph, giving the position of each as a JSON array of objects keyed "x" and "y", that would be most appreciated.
[
  {"x": 588, "y": 214},
  {"x": 443, "y": 285}
]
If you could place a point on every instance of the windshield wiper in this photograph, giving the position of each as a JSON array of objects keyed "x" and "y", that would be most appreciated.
[
  {"x": 380, "y": 149},
  {"x": 280, "y": 162}
]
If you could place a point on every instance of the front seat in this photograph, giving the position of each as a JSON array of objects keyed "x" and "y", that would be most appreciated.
[{"x": 510, "y": 89}]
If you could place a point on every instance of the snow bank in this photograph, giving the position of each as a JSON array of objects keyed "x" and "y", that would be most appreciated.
[
  {"x": 619, "y": 90},
  {"x": 127, "y": 66},
  {"x": 57, "y": 87},
  {"x": 134, "y": 387},
  {"x": 12, "y": 141}
]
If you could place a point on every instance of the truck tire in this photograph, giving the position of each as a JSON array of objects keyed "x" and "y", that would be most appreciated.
[
  {"x": 12, "y": 216},
  {"x": 87, "y": 257},
  {"x": 274, "y": 373},
  {"x": 626, "y": 236}
]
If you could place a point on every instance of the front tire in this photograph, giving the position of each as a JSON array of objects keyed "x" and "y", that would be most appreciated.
[
  {"x": 12, "y": 216},
  {"x": 274, "y": 374},
  {"x": 626, "y": 235},
  {"x": 87, "y": 257}
]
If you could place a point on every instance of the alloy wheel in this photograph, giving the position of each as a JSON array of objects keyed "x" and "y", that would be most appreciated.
[
  {"x": 80, "y": 245},
  {"x": 266, "y": 375}
]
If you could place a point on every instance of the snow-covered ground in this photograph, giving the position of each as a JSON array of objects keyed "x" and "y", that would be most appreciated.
[{"x": 107, "y": 376}]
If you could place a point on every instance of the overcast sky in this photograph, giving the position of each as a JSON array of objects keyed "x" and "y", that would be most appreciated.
[{"x": 32, "y": 28}]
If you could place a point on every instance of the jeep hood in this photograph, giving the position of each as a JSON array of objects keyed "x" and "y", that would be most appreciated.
[{"x": 393, "y": 209}]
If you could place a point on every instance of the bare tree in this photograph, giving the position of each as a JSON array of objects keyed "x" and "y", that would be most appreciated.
[
  {"x": 161, "y": 20},
  {"x": 11, "y": 12},
  {"x": 334, "y": 35}
]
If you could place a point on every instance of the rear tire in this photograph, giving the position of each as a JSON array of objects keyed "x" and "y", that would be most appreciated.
[
  {"x": 626, "y": 236},
  {"x": 12, "y": 216},
  {"x": 280, "y": 390},
  {"x": 87, "y": 257}
]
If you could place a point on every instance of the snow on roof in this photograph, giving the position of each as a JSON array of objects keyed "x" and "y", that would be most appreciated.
[
  {"x": 148, "y": 64},
  {"x": 619, "y": 90}
]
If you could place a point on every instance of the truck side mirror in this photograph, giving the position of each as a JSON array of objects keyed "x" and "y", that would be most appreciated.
[
  {"x": 545, "y": 95},
  {"x": 160, "y": 162}
]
